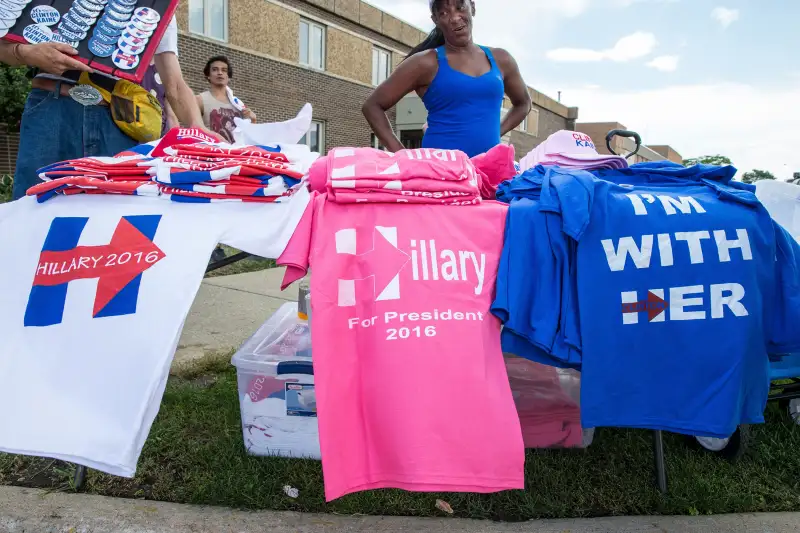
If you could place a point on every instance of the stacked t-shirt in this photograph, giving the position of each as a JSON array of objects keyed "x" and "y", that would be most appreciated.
[
  {"x": 183, "y": 167},
  {"x": 422, "y": 176},
  {"x": 671, "y": 286}
]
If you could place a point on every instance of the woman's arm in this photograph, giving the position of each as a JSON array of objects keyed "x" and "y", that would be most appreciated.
[
  {"x": 516, "y": 89},
  {"x": 412, "y": 74}
]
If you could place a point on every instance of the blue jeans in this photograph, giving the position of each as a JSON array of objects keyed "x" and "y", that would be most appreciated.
[{"x": 56, "y": 128}]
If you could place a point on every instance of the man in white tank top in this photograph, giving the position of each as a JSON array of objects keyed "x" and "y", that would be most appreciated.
[{"x": 217, "y": 104}]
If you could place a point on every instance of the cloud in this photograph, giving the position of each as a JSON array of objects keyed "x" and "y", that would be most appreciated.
[
  {"x": 665, "y": 63},
  {"x": 505, "y": 27},
  {"x": 704, "y": 119},
  {"x": 628, "y": 3},
  {"x": 634, "y": 46},
  {"x": 725, "y": 16}
]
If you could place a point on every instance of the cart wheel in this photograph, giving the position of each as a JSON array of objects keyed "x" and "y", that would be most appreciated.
[
  {"x": 731, "y": 448},
  {"x": 793, "y": 407}
]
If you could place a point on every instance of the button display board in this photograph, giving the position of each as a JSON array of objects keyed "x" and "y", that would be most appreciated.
[{"x": 117, "y": 37}]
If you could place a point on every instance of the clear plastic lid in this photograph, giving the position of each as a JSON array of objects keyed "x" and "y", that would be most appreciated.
[{"x": 282, "y": 338}]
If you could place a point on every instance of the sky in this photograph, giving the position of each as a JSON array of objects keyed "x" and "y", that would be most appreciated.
[{"x": 706, "y": 77}]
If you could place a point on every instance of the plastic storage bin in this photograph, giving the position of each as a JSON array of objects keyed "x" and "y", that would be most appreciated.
[
  {"x": 276, "y": 388},
  {"x": 782, "y": 200}
]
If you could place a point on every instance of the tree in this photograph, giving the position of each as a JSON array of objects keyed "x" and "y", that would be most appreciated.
[
  {"x": 14, "y": 88},
  {"x": 719, "y": 160},
  {"x": 795, "y": 178},
  {"x": 757, "y": 175}
]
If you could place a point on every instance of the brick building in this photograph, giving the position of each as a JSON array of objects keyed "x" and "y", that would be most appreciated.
[{"x": 331, "y": 53}]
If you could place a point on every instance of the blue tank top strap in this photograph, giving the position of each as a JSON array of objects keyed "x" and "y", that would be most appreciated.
[
  {"x": 441, "y": 53},
  {"x": 490, "y": 55}
]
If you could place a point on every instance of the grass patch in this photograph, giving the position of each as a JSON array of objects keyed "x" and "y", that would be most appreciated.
[{"x": 195, "y": 455}]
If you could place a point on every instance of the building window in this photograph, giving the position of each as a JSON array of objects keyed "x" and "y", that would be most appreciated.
[
  {"x": 381, "y": 61},
  {"x": 209, "y": 18},
  {"x": 523, "y": 126},
  {"x": 312, "y": 45},
  {"x": 375, "y": 142},
  {"x": 315, "y": 138}
]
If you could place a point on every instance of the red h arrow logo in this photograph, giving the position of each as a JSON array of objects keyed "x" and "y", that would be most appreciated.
[{"x": 115, "y": 264}]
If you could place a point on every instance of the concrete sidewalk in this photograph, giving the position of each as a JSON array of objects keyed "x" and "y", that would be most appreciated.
[
  {"x": 29, "y": 511},
  {"x": 228, "y": 309}
]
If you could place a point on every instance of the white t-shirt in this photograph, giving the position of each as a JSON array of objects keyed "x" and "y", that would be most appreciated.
[
  {"x": 169, "y": 43},
  {"x": 95, "y": 291}
]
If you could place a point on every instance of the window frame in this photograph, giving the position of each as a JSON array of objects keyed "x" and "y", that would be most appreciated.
[
  {"x": 377, "y": 52},
  {"x": 324, "y": 44},
  {"x": 306, "y": 140},
  {"x": 207, "y": 20}
]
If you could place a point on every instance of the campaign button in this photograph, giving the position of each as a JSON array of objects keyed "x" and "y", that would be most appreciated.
[
  {"x": 130, "y": 39},
  {"x": 75, "y": 27},
  {"x": 15, "y": 5},
  {"x": 3, "y": 33},
  {"x": 107, "y": 28},
  {"x": 144, "y": 26},
  {"x": 7, "y": 14},
  {"x": 116, "y": 24},
  {"x": 7, "y": 24},
  {"x": 105, "y": 39},
  {"x": 121, "y": 8},
  {"x": 12, "y": 7},
  {"x": 46, "y": 15},
  {"x": 117, "y": 16},
  {"x": 100, "y": 49},
  {"x": 148, "y": 15},
  {"x": 36, "y": 33},
  {"x": 79, "y": 20},
  {"x": 136, "y": 32},
  {"x": 59, "y": 38},
  {"x": 127, "y": 3},
  {"x": 131, "y": 49},
  {"x": 92, "y": 5},
  {"x": 124, "y": 61},
  {"x": 69, "y": 37},
  {"x": 86, "y": 11}
]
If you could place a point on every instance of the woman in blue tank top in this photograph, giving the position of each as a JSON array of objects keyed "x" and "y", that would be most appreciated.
[{"x": 461, "y": 84}]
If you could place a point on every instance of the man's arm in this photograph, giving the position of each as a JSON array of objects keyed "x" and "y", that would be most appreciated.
[
  {"x": 180, "y": 96},
  {"x": 516, "y": 90},
  {"x": 53, "y": 58},
  {"x": 172, "y": 120},
  {"x": 200, "y": 105}
]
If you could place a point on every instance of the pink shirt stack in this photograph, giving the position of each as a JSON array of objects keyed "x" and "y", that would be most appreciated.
[
  {"x": 367, "y": 175},
  {"x": 412, "y": 389}
]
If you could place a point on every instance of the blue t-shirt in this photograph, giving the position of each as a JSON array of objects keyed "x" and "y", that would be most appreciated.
[{"x": 682, "y": 284}]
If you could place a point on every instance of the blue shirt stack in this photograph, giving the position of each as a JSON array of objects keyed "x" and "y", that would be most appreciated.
[{"x": 667, "y": 286}]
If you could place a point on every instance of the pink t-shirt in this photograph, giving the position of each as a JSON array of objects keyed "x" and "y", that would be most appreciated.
[{"x": 412, "y": 390}]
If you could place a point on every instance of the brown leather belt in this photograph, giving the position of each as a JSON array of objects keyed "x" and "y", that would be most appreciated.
[{"x": 46, "y": 84}]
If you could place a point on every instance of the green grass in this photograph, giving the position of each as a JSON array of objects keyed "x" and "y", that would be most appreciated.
[{"x": 195, "y": 455}]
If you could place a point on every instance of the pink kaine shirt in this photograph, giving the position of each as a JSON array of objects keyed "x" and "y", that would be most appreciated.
[{"x": 412, "y": 390}]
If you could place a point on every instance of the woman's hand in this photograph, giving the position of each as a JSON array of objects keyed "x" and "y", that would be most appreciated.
[{"x": 53, "y": 58}]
